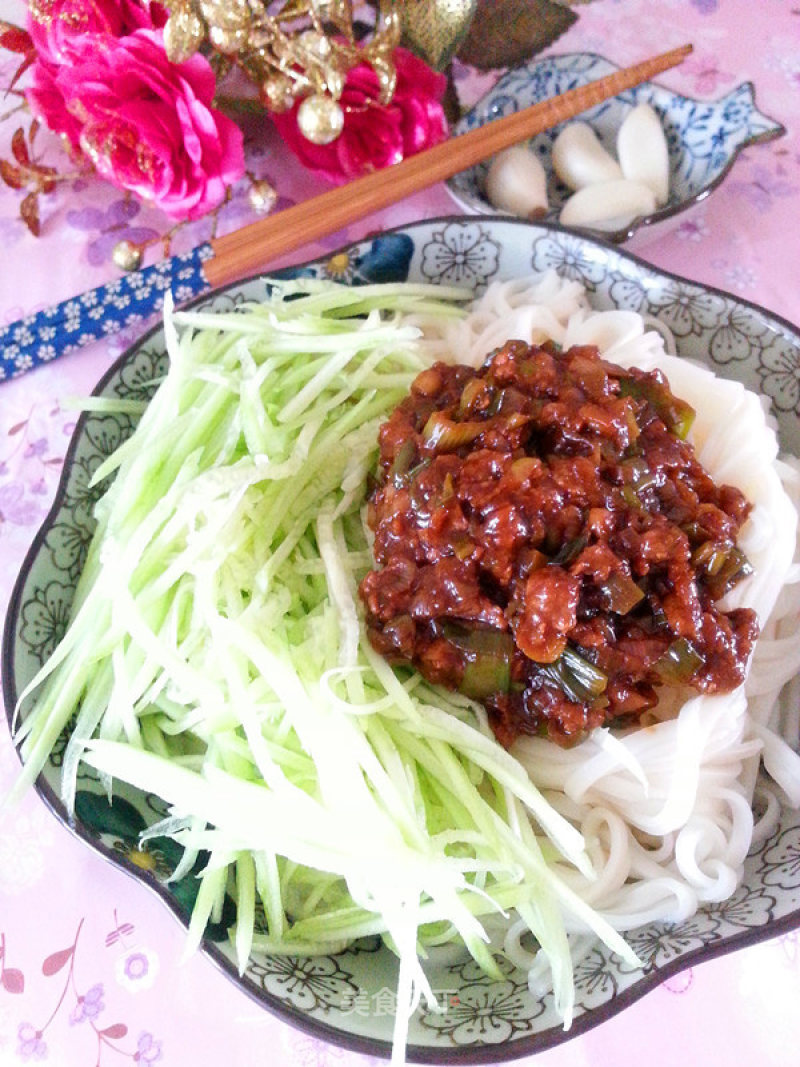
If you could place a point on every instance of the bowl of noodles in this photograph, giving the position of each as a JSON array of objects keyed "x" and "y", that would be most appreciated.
[{"x": 658, "y": 845}]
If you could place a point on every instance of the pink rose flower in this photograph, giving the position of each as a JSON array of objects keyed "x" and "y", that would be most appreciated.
[
  {"x": 47, "y": 102},
  {"x": 55, "y": 25},
  {"x": 374, "y": 135},
  {"x": 146, "y": 124}
]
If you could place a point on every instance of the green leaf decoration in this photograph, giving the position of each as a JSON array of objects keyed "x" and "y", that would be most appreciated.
[
  {"x": 118, "y": 817},
  {"x": 506, "y": 33},
  {"x": 185, "y": 893},
  {"x": 219, "y": 931},
  {"x": 169, "y": 849},
  {"x": 434, "y": 29}
]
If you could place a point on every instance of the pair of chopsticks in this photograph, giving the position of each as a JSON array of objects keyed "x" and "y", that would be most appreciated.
[
  {"x": 135, "y": 297},
  {"x": 248, "y": 248}
]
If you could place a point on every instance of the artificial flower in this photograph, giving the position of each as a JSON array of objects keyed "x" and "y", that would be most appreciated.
[
  {"x": 56, "y": 25},
  {"x": 375, "y": 135},
  {"x": 47, "y": 102},
  {"x": 146, "y": 124}
]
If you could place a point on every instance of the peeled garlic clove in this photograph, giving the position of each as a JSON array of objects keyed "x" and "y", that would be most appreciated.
[
  {"x": 642, "y": 150},
  {"x": 516, "y": 182},
  {"x": 608, "y": 206},
  {"x": 580, "y": 160}
]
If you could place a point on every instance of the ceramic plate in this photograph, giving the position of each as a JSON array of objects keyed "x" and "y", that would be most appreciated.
[
  {"x": 704, "y": 137},
  {"x": 349, "y": 998}
]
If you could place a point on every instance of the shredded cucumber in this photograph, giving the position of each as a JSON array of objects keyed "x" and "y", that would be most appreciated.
[{"x": 216, "y": 657}]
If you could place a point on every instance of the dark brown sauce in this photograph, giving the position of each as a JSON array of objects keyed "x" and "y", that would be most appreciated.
[{"x": 548, "y": 543}]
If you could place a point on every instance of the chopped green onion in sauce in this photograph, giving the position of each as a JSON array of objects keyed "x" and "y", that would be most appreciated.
[{"x": 554, "y": 547}]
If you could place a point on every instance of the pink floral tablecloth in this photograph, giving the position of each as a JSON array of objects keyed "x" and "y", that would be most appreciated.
[{"x": 91, "y": 968}]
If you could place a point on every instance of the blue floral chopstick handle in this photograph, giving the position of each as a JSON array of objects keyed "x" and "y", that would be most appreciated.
[{"x": 65, "y": 327}]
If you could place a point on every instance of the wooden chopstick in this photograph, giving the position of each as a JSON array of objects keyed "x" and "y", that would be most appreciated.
[{"x": 245, "y": 250}]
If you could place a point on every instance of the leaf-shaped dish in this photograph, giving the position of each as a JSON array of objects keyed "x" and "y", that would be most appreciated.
[
  {"x": 704, "y": 137},
  {"x": 348, "y": 998}
]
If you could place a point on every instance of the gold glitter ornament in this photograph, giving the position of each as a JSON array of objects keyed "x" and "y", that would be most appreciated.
[
  {"x": 315, "y": 43},
  {"x": 276, "y": 93},
  {"x": 184, "y": 32},
  {"x": 434, "y": 29},
  {"x": 227, "y": 14},
  {"x": 262, "y": 196},
  {"x": 228, "y": 24},
  {"x": 334, "y": 82},
  {"x": 339, "y": 12},
  {"x": 320, "y": 118},
  {"x": 127, "y": 255},
  {"x": 229, "y": 42},
  {"x": 293, "y": 51},
  {"x": 387, "y": 77}
]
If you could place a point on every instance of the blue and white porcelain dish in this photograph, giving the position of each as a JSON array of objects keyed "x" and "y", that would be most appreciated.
[
  {"x": 704, "y": 137},
  {"x": 347, "y": 998}
]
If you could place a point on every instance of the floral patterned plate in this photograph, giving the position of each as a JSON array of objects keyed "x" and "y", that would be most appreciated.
[
  {"x": 349, "y": 998},
  {"x": 704, "y": 137}
]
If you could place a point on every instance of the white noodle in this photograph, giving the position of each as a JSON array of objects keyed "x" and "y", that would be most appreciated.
[{"x": 667, "y": 809}]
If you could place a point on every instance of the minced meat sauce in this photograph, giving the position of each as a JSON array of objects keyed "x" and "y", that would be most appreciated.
[{"x": 547, "y": 543}]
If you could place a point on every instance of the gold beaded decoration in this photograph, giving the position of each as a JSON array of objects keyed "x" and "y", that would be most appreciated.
[
  {"x": 127, "y": 255},
  {"x": 295, "y": 50},
  {"x": 263, "y": 195}
]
